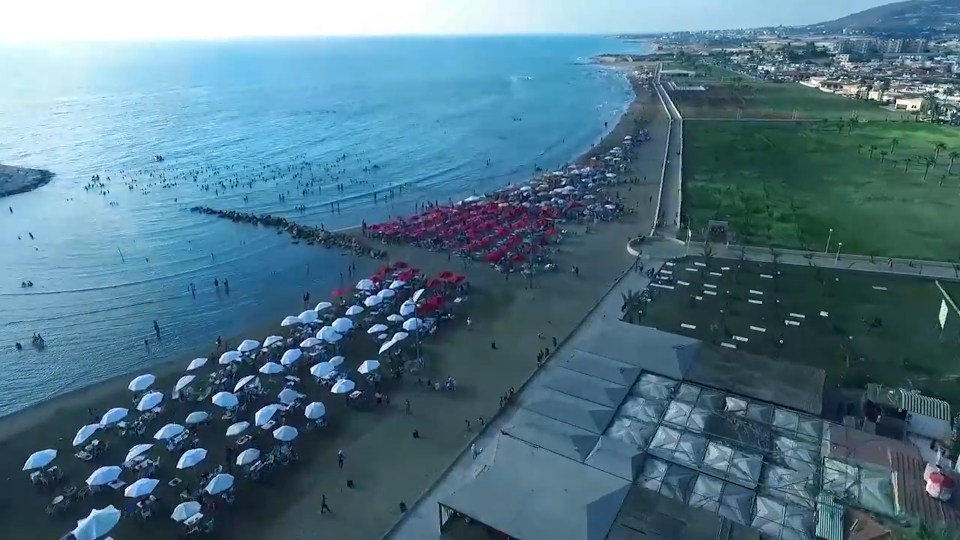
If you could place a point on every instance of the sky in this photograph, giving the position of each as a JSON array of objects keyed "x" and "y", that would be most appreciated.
[{"x": 118, "y": 20}]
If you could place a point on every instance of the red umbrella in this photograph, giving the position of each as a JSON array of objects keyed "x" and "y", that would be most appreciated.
[{"x": 340, "y": 292}]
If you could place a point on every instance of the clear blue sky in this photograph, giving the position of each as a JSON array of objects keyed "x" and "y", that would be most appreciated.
[{"x": 41, "y": 20}]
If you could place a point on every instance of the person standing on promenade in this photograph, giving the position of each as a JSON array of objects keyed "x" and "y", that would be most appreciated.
[
  {"x": 340, "y": 458},
  {"x": 324, "y": 507}
]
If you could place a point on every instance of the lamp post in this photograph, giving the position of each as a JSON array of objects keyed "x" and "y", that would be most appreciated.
[
  {"x": 837, "y": 258},
  {"x": 829, "y": 236}
]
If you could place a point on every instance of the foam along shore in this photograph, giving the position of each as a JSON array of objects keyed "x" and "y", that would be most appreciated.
[{"x": 15, "y": 180}]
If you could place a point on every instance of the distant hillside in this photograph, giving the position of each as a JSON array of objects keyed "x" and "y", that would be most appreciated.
[{"x": 910, "y": 17}]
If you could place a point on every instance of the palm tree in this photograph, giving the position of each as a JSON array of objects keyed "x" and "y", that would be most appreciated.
[
  {"x": 883, "y": 156},
  {"x": 873, "y": 148},
  {"x": 906, "y": 164},
  {"x": 953, "y": 157},
  {"x": 927, "y": 163},
  {"x": 893, "y": 144},
  {"x": 938, "y": 147}
]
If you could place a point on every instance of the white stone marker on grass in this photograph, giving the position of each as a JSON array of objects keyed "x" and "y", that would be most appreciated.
[
  {"x": 824, "y": 314},
  {"x": 758, "y": 329},
  {"x": 670, "y": 287},
  {"x": 688, "y": 269},
  {"x": 754, "y": 291},
  {"x": 717, "y": 274},
  {"x": 798, "y": 315},
  {"x": 700, "y": 264},
  {"x": 709, "y": 286},
  {"x": 669, "y": 263},
  {"x": 724, "y": 268},
  {"x": 879, "y": 288},
  {"x": 711, "y": 293},
  {"x": 666, "y": 272},
  {"x": 753, "y": 301},
  {"x": 684, "y": 283},
  {"x": 688, "y": 326},
  {"x": 728, "y": 345},
  {"x": 698, "y": 298},
  {"x": 788, "y": 322},
  {"x": 766, "y": 276},
  {"x": 741, "y": 338}
]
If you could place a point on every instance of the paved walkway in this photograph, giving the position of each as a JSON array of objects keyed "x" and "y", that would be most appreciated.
[{"x": 670, "y": 187}]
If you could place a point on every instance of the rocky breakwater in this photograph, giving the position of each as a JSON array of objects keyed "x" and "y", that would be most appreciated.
[
  {"x": 300, "y": 233},
  {"x": 15, "y": 180}
]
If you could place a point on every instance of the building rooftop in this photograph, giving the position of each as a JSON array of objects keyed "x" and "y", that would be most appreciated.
[{"x": 912, "y": 402}]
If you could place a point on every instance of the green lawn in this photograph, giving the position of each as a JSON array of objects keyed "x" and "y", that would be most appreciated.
[
  {"x": 868, "y": 335},
  {"x": 787, "y": 184}
]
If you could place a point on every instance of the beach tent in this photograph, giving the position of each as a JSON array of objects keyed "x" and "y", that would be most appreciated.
[
  {"x": 341, "y": 325},
  {"x": 39, "y": 460},
  {"x": 168, "y": 431},
  {"x": 141, "y": 383},
  {"x": 408, "y": 308},
  {"x": 248, "y": 345},
  {"x": 113, "y": 416},
  {"x": 196, "y": 363},
  {"x": 288, "y": 396},
  {"x": 377, "y": 329},
  {"x": 104, "y": 475},
  {"x": 372, "y": 301},
  {"x": 150, "y": 401},
  {"x": 323, "y": 306},
  {"x": 366, "y": 285},
  {"x": 141, "y": 488},
  {"x": 185, "y": 511},
  {"x": 191, "y": 458},
  {"x": 271, "y": 368},
  {"x": 399, "y": 336},
  {"x": 386, "y": 294},
  {"x": 354, "y": 310},
  {"x": 183, "y": 382},
  {"x": 248, "y": 456},
  {"x": 85, "y": 433},
  {"x": 343, "y": 386},
  {"x": 97, "y": 524},
  {"x": 272, "y": 341},
  {"x": 265, "y": 414},
  {"x": 237, "y": 429},
  {"x": 310, "y": 342},
  {"x": 386, "y": 346},
  {"x": 219, "y": 483},
  {"x": 244, "y": 381},
  {"x": 315, "y": 411},
  {"x": 137, "y": 451},
  {"x": 197, "y": 417},
  {"x": 398, "y": 284},
  {"x": 368, "y": 366},
  {"x": 307, "y": 317},
  {"x": 395, "y": 318},
  {"x": 336, "y": 361},
  {"x": 230, "y": 357},
  {"x": 224, "y": 400},
  {"x": 291, "y": 356},
  {"x": 291, "y": 320},
  {"x": 413, "y": 324},
  {"x": 322, "y": 370},
  {"x": 285, "y": 433}
]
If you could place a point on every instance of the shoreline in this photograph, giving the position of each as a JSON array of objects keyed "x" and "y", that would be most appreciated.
[{"x": 15, "y": 180}]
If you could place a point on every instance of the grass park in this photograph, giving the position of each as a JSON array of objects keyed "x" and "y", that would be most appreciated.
[
  {"x": 859, "y": 327},
  {"x": 883, "y": 188}
]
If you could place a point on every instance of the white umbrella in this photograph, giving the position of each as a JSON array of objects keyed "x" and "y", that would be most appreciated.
[
  {"x": 288, "y": 395},
  {"x": 323, "y": 306},
  {"x": 248, "y": 456},
  {"x": 104, "y": 475},
  {"x": 368, "y": 366},
  {"x": 196, "y": 417},
  {"x": 386, "y": 346},
  {"x": 407, "y": 308},
  {"x": 342, "y": 325},
  {"x": 417, "y": 295},
  {"x": 196, "y": 363},
  {"x": 183, "y": 382},
  {"x": 315, "y": 411},
  {"x": 324, "y": 331},
  {"x": 322, "y": 369},
  {"x": 238, "y": 428},
  {"x": 229, "y": 357},
  {"x": 310, "y": 342},
  {"x": 39, "y": 460},
  {"x": 366, "y": 285},
  {"x": 371, "y": 301},
  {"x": 285, "y": 433},
  {"x": 377, "y": 329},
  {"x": 290, "y": 320},
  {"x": 308, "y": 316},
  {"x": 334, "y": 337},
  {"x": 397, "y": 284},
  {"x": 191, "y": 458},
  {"x": 336, "y": 361},
  {"x": 168, "y": 431},
  {"x": 265, "y": 414},
  {"x": 399, "y": 336},
  {"x": 113, "y": 416},
  {"x": 136, "y": 451},
  {"x": 185, "y": 511},
  {"x": 271, "y": 341},
  {"x": 219, "y": 483},
  {"x": 97, "y": 524},
  {"x": 354, "y": 310},
  {"x": 394, "y": 318},
  {"x": 271, "y": 368},
  {"x": 225, "y": 400},
  {"x": 141, "y": 488},
  {"x": 291, "y": 356},
  {"x": 243, "y": 382},
  {"x": 412, "y": 325},
  {"x": 343, "y": 386},
  {"x": 141, "y": 383},
  {"x": 248, "y": 345},
  {"x": 150, "y": 401},
  {"x": 387, "y": 293}
]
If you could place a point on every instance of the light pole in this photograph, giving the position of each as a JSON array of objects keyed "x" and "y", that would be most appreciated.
[
  {"x": 837, "y": 258},
  {"x": 829, "y": 236}
]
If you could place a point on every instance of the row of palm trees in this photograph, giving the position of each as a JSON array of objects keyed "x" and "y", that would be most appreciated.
[{"x": 928, "y": 162}]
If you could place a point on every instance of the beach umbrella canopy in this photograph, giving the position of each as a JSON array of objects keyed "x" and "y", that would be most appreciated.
[
  {"x": 265, "y": 414},
  {"x": 248, "y": 456},
  {"x": 419, "y": 294},
  {"x": 183, "y": 382},
  {"x": 291, "y": 356},
  {"x": 271, "y": 368},
  {"x": 413, "y": 324},
  {"x": 308, "y": 316},
  {"x": 323, "y": 306},
  {"x": 196, "y": 417},
  {"x": 336, "y": 361},
  {"x": 191, "y": 458},
  {"x": 272, "y": 341},
  {"x": 342, "y": 325},
  {"x": 343, "y": 386},
  {"x": 285, "y": 433},
  {"x": 387, "y": 293},
  {"x": 407, "y": 308},
  {"x": 354, "y": 310},
  {"x": 97, "y": 524},
  {"x": 399, "y": 336},
  {"x": 322, "y": 369},
  {"x": 248, "y": 345},
  {"x": 137, "y": 451},
  {"x": 39, "y": 460},
  {"x": 141, "y": 488},
  {"x": 219, "y": 483},
  {"x": 243, "y": 382},
  {"x": 368, "y": 366},
  {"x": 104, "y": 475},
  {"x": 185, "y": 511},
  {"x": 238, "y": 428},
  {"x": 230, "y": 357},
  {"x": 288, "y": 395},
  {"x": 315, "y": 411},
  {"x": 196, "y": 363},
  {"x": 372, "y": 301},
  {"x": 395, "y": 318},
  {"x": 377, "y": 329},
  {"x": 386, "y": 346},
  {"x": 324, "y": 331},
  {"x": 168, "y": 431},
  {"x": 85, "y": 433},
  {"x": 366, "y": 285},
  {"x": 225, "y": 400},
  {"x": 310, "y": 342},
  {"x": 141, "y": 383},
  {"x": 290, "y": 320},
  {"x": 333, "y": 337},
  {"x": 151, "y": 400},
  {"x": 113, "y": 416},
  {"x": 398, "y": 284}
]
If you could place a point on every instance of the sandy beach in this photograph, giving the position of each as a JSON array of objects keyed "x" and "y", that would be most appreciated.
[
  {"x": 385, "y": 463},
  {"x": 15, "y": 180}
]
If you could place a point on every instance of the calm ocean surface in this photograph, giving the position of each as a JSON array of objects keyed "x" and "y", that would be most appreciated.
[{"x": 428, "y": 112}]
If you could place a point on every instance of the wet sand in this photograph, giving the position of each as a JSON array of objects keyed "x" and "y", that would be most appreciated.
[
  {"x": 15, "y": 180},
  {"x": 385, "y": 463}
]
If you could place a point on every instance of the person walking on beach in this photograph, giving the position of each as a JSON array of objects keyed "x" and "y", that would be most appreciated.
[
  {"x": 324, "y": 507},
  {"x": 226, "y": 285},
  {"x": 216, "y": 283},
  {"x": 340, "y": 458},
  {"x": 156, "y": 329},
  {"x": 406, "y": 407}
]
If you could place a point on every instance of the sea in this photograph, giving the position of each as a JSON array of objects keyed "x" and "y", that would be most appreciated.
[{"x": 443, "y": 117}]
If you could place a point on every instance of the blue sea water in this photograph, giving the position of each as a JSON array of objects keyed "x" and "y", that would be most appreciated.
[{"x": 429, "y": 112}]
